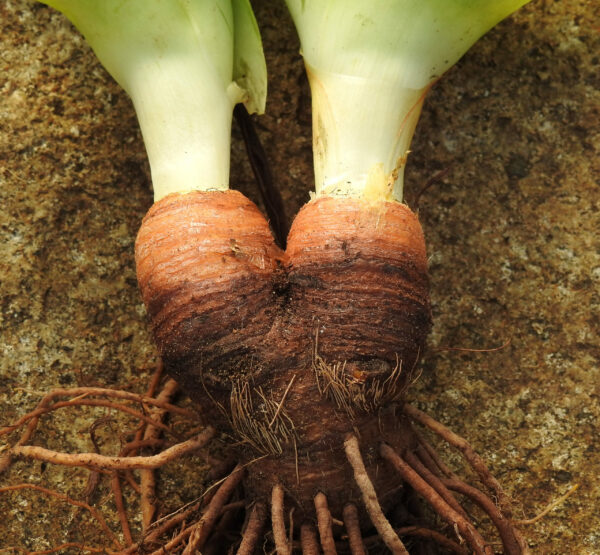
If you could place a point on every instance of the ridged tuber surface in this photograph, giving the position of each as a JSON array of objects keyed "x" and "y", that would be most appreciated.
[{"x": 290, "y": 350}]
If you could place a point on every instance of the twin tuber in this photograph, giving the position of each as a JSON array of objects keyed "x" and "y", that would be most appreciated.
[
  {"x": 300, "y": 357},
  {"x": 237, "y": 320}
]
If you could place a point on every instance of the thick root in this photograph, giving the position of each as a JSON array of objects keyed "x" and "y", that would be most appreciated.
[
  {"x": 254, "y": 528},
  {"x": 434, "y": 489},
  {"x": 352, "y": 524},
  {"x": 325, "y": 524},
  {"x": 205, "y": 525},
  {"x": 463, "y": 527},
  {"x": 416, "y": 462},
  {"x": 381, "y": 523}
]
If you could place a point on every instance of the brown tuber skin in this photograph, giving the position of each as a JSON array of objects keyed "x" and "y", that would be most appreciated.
[
  {"x": 227, "y": 306},
  {"x": 295, "y": 354}
]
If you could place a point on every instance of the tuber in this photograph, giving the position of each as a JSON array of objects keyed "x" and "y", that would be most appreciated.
[{"x": 301, "y": 356}]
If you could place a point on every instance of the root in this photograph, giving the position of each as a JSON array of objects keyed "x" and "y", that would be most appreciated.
[
  {"x": 308, "y": 540},
  {"x": 80, "y": 397},
  {"x": 457, "y": 521},
  {"x": 469, "y": 454},
  {"x": 160, "y": 528},
  {"x": 381, "y": 523},
  {"x": 435, "y": 483},
  {"x": 280, "y": 404},
  {"x": 426, "y": 533},
  {"x": 351, "y": 393},
  {"x": 81, "y": 394},
  {"x": 282, "y": 545},
  {"x": 196, "y": 532},
  {"x": 510, "y": 536},
  {"x": 324, "y": 523},
  {"x": 431, "y": 459},
  {"x": 147, "y": 436},
  {"x": 93, "y": 460},
  {"x": 355, "y": 540},
  {"x": 205, "y": 525},
  {"x": 115, "y": 485},
  {"x": 81, "y": 402},
  {"x": 549, "y": 508},
  {"x": 99, "y": 518},
  {"x": 253, "y": 531},
  {"x": 147, "y": 478},
  {"x": 193, "y": 529},
  {"x": 268, "y": 428},
  {"x": 435, "y": 471},
  {"x": 58, "y": 549},
  {"x": 171, "y": 545}
]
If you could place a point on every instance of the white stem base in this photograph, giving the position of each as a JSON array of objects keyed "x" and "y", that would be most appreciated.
[
  {"x": 187, "y": 134},
  {"x": 362, "y": 131}
]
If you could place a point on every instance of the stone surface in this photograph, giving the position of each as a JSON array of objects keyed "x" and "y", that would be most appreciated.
[{"x": 512, "y": 234}]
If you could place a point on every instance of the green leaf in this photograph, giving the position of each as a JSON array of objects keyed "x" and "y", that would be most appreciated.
[
  {"x": 127, "y": 34},
  {"x": 413, "y": 41},
  {"x": 249, "y": 67},
  {"x": 185, "y": 63}
]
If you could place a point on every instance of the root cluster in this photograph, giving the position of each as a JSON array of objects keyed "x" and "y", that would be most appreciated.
[
  {"x": 324, "y": 444},
  {"x": 120, "y": 470},
  {"x": 215, "y": 523}
]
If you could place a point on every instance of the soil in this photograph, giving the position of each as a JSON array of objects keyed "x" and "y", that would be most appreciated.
[{"x": 512, "y": 234}]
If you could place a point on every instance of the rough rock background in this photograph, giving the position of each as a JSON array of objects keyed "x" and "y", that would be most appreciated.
[{"x": 512, "y": 232}]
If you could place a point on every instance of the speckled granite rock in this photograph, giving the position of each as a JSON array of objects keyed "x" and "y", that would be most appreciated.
[{"x": 512, "y": 231}]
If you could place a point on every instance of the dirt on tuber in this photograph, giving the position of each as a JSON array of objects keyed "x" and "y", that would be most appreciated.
[{"x": 303, "y": 355}]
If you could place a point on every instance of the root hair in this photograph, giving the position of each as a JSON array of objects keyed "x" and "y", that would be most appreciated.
[
  {"x": 350, "y": 395},
  {"x": 265, "y": 424}
]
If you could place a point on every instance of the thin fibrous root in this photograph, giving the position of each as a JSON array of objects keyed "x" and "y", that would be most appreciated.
[
  {"x": 267, "y": 429},
  {"x": 58, "y": 549},
  {"x": 381, "y": 523},
  {"x": 435, "y": 482},
  {"x": 431, "y": 458},
  {"x": 549, "y": 507},
  {"x": 324, "y": 523},
  {"x": 282, "y": 545},
  {"x": 205, "y": 525},
  {"x": 456, "y": 520},
  {"x": 512, "y": 540},
  {"x": 439, "y": 538},
  {"x": 71, "y": 501},
  {"x": 115, "y": 484},
  {"x": 425, "y": 533},
  {"x": 351, "y": 522},
  {"x": 308, "y": 540},
  {"x": 147, "y": 477},
  {"x": 93, "y": 460},
  {"x": 81, "y": 393},
  {"x": 469, "y": 454},
  {"x": 253, "y": 531}
]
